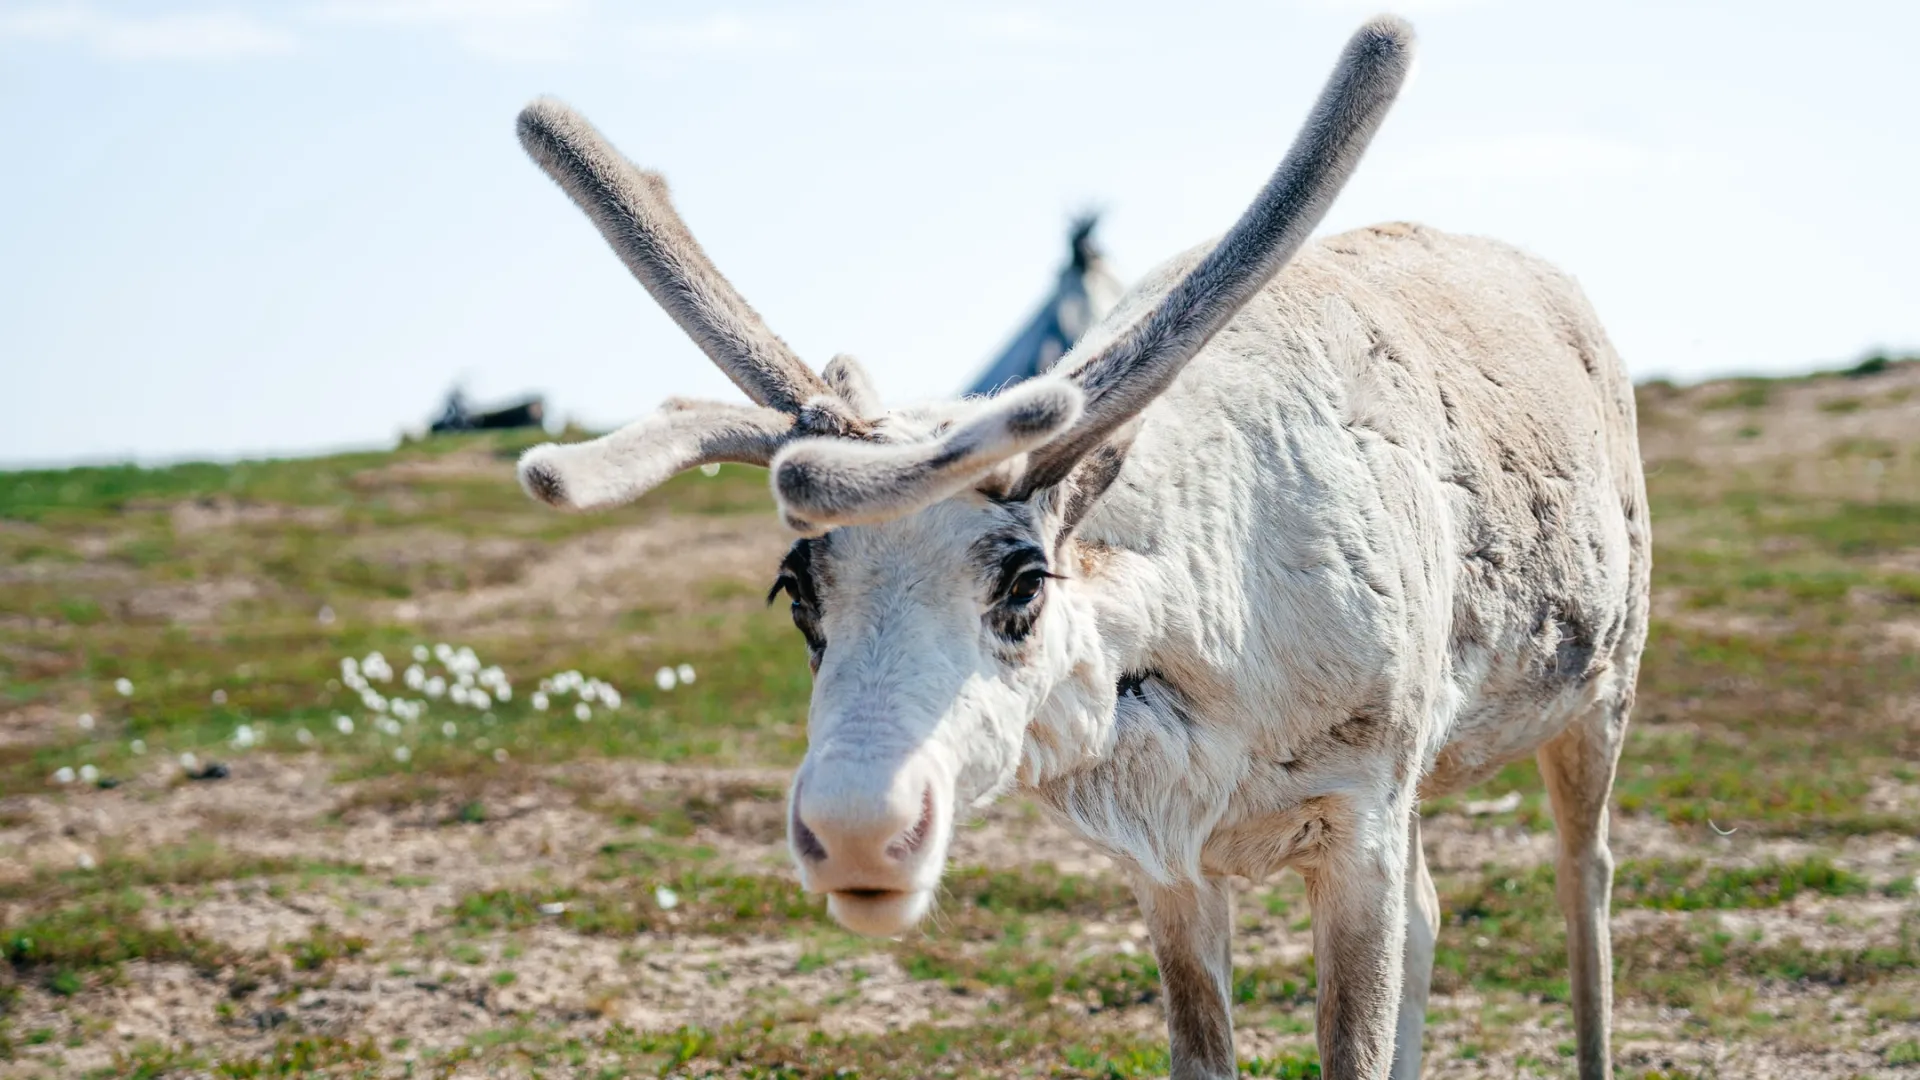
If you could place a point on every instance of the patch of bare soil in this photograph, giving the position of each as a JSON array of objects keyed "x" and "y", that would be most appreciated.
[
  {"x": 197, "y": 516},
  {"x": 1457, "y": 843},
  {"x": 189, "y": 603},
  {"x": 92, "y": 573},
  {"x": 1819, "y": 923},
  {"x": 458, "y": 464},
  {"x": 669, "y": 563},
  {"x": 1819, "y": 430},
  {"x": 31, "y": 725}
]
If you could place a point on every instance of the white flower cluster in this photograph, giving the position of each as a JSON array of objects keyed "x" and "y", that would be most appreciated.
[
  {"x": 669, "y": 677},
  {"x": 360, "y": 675},
  {"x": 464, "y": 682},
  {"x": 587, "y": 690}
]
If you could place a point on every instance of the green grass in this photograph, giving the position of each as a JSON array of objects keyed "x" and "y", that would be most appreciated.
[
  {"x": 1744, "y": 394},
  {"x": 193, "y": 863},
  {"x": 62, "y": 943},
  {"x": 1504, "y": 931},
  {"x": 1692, "y": 886}
]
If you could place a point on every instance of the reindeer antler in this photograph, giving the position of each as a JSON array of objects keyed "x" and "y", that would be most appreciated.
[
  {"x": 1132, "y": 370},
  {"x": 632, "y": 461},
  {"x": 632, "y": 210}
]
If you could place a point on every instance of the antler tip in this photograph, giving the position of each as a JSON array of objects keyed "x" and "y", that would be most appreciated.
[
  {"x": 1385, "y": 33},
  {"x": 1041, "y": 408},
  {"x": 540, "y": 476}
]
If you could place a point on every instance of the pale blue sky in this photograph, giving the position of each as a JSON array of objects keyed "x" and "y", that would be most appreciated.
[{"x": 230, "y": 228}]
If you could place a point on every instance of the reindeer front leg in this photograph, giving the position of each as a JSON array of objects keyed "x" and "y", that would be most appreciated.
[
  {"x": 1357, "y": 889},
  {"x": 1192, "y": 930}
]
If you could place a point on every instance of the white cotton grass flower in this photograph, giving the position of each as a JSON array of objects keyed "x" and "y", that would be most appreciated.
[
  {"x": 373, "y": 701},
  {"x": 304, "y": 736},
  {"x": 500, "y": 756},
  {"x": 665, "y": 678},
  {"x": 85, "y": 720},
  {"x": 402, "y": 754},
  {"x": 539, "y": 701},
  {"x": 85, "y": 860},
  {"x": 449, "y": 729},
  {"x": 590, "y": 692},
  {"x": 219, "y": 697},
  {"x": 503, "y": 692},
  {"x": 387, "y": 725},
  {"x": 583, "y": 712},
  {"x": 123, "y": 686},
  {"x": 458, "y": 695},
  {"x": 479, "y": 699},
  {"x": 189, "y": 762},
  {"x": 138, "y": 746},
  {"x": 420, "y": 654},
  {"x": 666, "y": 898},
  {"x": 63, "y": 775},
  {"x": 610, "y": 697},
  {"x": 343, "y": 724},
  {"x": 686, "y": 673},
  {"x": 89, "y": 773},
  {"x": 349, "y": 668},
  {"x": 415, "y": 677},
  {"x": 436, "y": 687},
  {"x": 375, "y": 667},
  {"x": 244, "y": 737}
]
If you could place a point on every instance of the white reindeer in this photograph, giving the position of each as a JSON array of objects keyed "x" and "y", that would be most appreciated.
[{"x": 1265, "y": 560}]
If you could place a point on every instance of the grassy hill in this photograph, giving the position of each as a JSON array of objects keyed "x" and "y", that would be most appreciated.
[{"x": 437, "y": 886}]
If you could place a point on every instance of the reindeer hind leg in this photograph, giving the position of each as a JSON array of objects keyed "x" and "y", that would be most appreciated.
[{"x": 1578, "y": 767}]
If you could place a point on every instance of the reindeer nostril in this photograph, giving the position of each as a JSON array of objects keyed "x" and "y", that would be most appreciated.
[
  {"x": 809, "y": 845},
  {"x": 916, "y": 836}
]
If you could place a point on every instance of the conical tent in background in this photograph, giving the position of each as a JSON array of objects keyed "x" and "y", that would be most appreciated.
[{"x": 1087, "y": 290}]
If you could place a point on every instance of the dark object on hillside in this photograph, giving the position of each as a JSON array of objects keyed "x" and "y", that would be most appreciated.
[
  {"x": 1877, "y": 363},
  {"x": 1086, "y": 291},
  {"x": 458, "y": 415},
  {"x": 213, "y": 771}
]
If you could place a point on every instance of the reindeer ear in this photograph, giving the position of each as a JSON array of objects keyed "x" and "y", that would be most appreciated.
[
  {"x": 845, "y": 376},
  {"x": 1091, "y": 478}
]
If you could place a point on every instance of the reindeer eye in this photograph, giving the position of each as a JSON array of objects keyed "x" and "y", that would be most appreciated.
[{"x": 1027, "y": 586}]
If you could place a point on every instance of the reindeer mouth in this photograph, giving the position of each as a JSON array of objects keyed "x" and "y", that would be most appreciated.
[{"x": 879, "y": 912}]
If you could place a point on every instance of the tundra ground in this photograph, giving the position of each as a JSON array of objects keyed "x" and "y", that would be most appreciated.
[{"x": 498, "y": 889}]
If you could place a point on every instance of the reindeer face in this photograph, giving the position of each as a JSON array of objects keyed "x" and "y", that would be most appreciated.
[{"x": 935, "y": 638}]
